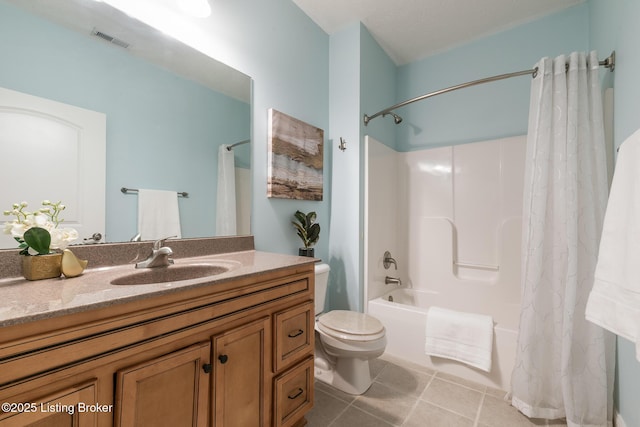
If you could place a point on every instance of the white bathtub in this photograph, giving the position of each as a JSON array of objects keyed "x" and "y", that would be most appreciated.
[{"x": 405, "y": 323}]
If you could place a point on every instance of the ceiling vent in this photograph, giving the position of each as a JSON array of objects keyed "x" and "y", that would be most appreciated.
[{"x": 109, "y": 38}]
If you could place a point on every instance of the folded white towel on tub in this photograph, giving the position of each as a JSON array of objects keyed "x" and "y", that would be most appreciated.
[{"x": 465, "y": 337}]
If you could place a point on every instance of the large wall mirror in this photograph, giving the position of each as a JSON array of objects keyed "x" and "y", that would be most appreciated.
[{"x": 168, "y": 108}]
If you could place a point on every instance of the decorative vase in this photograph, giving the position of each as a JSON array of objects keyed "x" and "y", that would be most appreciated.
[
  {"x": 40, "y": 267},
  {"x": 71, "y": 265},
  {"x": 306, "y": 252}
]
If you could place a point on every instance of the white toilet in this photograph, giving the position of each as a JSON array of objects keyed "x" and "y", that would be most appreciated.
[{"x": 345, "y": 342}]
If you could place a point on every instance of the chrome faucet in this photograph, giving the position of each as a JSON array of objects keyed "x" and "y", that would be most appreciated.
[
  {"x": 159, "y": 256},
  {"x": 392, "y": 281}
]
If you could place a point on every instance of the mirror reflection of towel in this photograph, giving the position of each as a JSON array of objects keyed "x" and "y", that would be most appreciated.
[{"x": 158, "y": 214}]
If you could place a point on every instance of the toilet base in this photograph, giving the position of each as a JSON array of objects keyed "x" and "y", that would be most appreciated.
[{"x": 350, "y": 375}]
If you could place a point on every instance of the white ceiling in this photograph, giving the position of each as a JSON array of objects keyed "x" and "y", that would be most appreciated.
[{"x": 409, "y": 30}]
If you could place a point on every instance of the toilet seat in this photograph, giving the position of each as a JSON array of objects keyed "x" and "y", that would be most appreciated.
[{"x": 350, "y": 326}]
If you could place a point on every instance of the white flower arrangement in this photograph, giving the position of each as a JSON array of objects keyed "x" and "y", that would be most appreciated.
[{"x": 37, "y": 233}]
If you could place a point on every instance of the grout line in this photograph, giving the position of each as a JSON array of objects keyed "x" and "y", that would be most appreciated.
[
  {"x": 351, "y": 404},
  {"x": 339, "y": 415},
  {"x": 450, "y": 381},
  {"x": 421, "y": 397},
  {"x": 337, "y": 398},
  {"x": 375, "y": 416},
  {"x": 476, "y": 422},
  {"x": 449, "y": 409},
  {"x": 406, "y": 364},
  {"x": 418, "y": 400},
  {"x": 400, "y": 390},
  {"x": 426, "y": 387}
]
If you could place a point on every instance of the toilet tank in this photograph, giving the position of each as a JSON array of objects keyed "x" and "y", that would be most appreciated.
[{"x": 322, "y": 279}]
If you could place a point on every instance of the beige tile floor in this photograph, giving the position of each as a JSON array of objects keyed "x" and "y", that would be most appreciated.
[{"x": 407, "y": 395}]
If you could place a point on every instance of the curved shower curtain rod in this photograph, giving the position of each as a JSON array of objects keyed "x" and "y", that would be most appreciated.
[
  {"x": 230, "y": 147},
  {"x": 609, "y": 62}
]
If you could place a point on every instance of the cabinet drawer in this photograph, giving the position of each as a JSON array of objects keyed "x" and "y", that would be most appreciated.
[
  {"x": 293, "y": 394},
  {"x": 294, "y": 335}
]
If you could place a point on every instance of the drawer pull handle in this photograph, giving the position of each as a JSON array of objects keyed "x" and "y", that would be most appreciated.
[
  {"x": 296, "y": 333},
  {"x": 297, "y": 393},
  {"x": 223, "y": 358},
  {"x": 207, "y": 368}
]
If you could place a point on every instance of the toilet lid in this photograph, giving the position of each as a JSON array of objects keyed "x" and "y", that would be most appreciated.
[{"x": 350, "y": 325}]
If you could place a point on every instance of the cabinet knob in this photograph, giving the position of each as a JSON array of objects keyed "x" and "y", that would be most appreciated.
[
  {"x": 223, "y": 358},
  {"x": 296, "y": 333},
  {"x": 207, "y": 368}
]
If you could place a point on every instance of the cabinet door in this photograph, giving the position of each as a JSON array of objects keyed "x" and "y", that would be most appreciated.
[
  {"x": 170, "y": 390},
  {"x": 73, "y": 407},
  {"x": 239, "y": 390}
]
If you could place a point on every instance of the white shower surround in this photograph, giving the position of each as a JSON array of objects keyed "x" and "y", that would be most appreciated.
[{"x": 430, "y": 208}]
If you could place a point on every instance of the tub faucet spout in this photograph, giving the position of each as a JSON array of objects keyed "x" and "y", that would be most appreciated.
[{"x": 392, "y": 281}]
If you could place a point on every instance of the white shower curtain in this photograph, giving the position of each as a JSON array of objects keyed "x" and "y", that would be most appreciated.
[
  {"x": 226, "y": 195},
  {"x": 564, "y": 364}
]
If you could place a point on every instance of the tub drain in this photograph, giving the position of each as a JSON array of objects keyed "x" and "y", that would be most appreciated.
[{"x": 390, "y": 298}]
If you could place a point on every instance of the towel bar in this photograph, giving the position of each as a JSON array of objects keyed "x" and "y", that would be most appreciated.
[{"x": 126, "y": 190}]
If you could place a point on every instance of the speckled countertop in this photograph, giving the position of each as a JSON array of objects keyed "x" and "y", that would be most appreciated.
[{"x": 24, "y": 301}]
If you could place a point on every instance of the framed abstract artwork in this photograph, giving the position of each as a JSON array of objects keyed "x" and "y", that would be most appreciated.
[{"x": 295, "y": 158}]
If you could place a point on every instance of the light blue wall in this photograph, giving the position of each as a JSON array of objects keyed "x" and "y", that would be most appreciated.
[
  {"x": 287, "y": 55},
  {"x": 362, "y": 78},
  {"x": 158, "y": 124},
  {"x": 493, "y": 110},
  {"x": 344, "y": 247},
  {"x": 378, "y": 85},
  {"x": 615, "y": 26}
]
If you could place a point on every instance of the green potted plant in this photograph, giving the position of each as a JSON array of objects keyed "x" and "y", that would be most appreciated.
[
  {"x": 308, "y": 231},
  {"x": 40, "y": 240}
]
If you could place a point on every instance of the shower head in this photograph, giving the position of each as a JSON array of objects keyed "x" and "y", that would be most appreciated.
[{"x": 396, "y": 118}]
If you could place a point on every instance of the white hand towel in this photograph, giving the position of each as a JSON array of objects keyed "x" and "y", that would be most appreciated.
[
  {"x": 158, "y": 214},
  {"x": 614, "y": 301},
  {"x": 226, "y": 196},
  {"x": 465, "y": 337}
]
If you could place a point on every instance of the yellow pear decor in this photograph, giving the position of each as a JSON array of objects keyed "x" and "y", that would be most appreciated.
[{"x": 71, "y": 265}]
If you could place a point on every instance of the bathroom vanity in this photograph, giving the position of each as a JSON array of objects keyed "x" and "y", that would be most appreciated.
[{"x": 230, "y": 349}]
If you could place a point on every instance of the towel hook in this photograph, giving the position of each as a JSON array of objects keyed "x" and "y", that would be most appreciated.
[{"x": 343, "y": 144}]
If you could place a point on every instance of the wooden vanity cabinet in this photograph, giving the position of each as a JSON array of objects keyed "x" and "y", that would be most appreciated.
[{"x": 233, "y": 354}]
